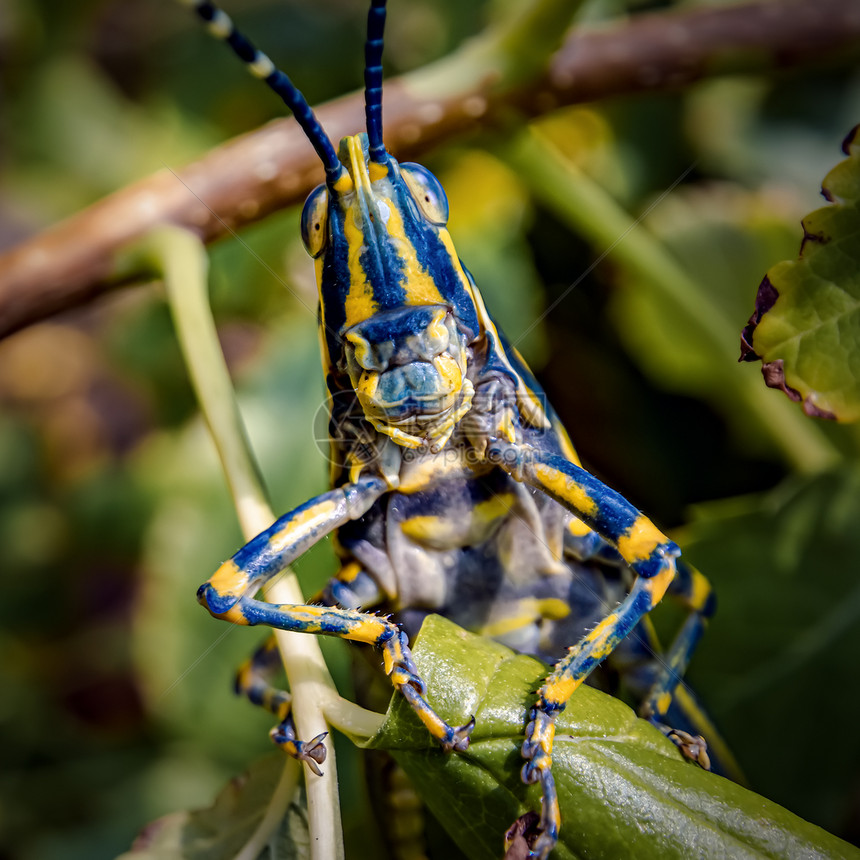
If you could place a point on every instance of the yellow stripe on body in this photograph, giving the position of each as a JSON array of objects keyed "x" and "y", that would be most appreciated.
[
  {"x": 504, "y": 626},
  {"x": 419, "y": 284},
  {"x": 448, "y": 242},
  {"x": 664, "y": 701},
  {"x": 700, "y": 589},
  {"x": 366, "y": 387},
  {"x": 377, "y": 170},
  {"x": 491, "y": 509},
  {"x": 343, "y": 183},
  {"x": 432, "y": 469},
  {"x": 553, "y": 608},
  {"x": 529, "y": 610},
  {"x": 543, "y": 734},
  {"x": 656, "y": 586},
  {"x": 444, "y": 532},
  {"x": 229, "y": 579},
  {"x": 361, "y": 346},
  {"x": 449, "y": 371},
  {"x": 429, "y": 529},
  {"x": 437, "y": 333},
  {"x": 641, "y": 539},
  {"x": 359, "y": 304},
  {"x": 566, "y": 488},
  {"x": 245, "y": 676},
  {"x": 578, "y": 528},
  {"x": 349, "y": 572},
  {"x": 364, "y": 628},
  {"x": 567, "y": 449},
  {"x": 300, "y": 524},
  {"x": 482, "y": 514}
]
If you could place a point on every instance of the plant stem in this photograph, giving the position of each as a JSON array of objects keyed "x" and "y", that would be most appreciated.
[{"x": 182, "y": 258}]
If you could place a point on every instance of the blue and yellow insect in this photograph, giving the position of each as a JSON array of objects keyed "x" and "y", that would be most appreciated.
[{"x": 455, "y": 488}]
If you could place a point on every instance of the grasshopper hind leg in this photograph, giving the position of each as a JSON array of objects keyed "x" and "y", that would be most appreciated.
[
  {"x": 350, "y": 588},
  {"x": 668, "y": 705},
  {"x": 653, "y": 676},
  {"x": 253, "y": 680}
]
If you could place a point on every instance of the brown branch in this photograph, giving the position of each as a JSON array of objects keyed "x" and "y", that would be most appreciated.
[
  {"x": 273, "y": 167},
  {"x": 672, "y": 50}
]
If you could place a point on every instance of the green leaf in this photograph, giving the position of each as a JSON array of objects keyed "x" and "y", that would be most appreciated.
[
  {"x": 779, "y": 661},
  {"x": 225, "y": 828},
  {"x": 806, "y": 324},
  {"x": 624, "y": 789}
]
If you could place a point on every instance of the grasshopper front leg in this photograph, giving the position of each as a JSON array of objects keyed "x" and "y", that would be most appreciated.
[
  {"x": 285, "y": 540},
  {"x": 648, "y": 552},
  {"x": 229, "y": 595}
]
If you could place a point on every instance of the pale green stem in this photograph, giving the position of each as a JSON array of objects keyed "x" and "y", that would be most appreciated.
[
  {"x": 182, "y": 258},
  {"x": 353, "y": 720},
  {"x": 591, "y": 211}
]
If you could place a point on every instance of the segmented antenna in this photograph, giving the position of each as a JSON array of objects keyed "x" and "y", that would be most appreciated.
[
  {"x": 373, "y": 79},
  {"x": 220, "y": 25}
]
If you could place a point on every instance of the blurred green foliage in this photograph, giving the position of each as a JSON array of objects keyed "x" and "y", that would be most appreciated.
[{"x": 116, "y": 704}]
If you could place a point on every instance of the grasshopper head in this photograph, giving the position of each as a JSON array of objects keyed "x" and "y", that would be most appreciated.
[{"x": 396, "y": 306}]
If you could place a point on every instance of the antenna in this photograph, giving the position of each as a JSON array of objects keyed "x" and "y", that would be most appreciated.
[
  {"x": 373, "y": 79},
  {"x": 220, "y": 25}
]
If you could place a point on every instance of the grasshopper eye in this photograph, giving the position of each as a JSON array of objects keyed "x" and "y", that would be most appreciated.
[
  {"x": 427, "y": 191},
  {"x": 314, "y": 217}
]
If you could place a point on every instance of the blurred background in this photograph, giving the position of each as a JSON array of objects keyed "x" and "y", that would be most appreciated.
[{"x": 116, "y": 703}]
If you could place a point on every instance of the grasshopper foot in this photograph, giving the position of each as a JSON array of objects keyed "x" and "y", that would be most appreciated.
[{"x": 312, "y": 752}]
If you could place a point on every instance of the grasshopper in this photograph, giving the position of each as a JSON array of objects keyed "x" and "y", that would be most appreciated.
[{"x": 455, "y": 487}]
